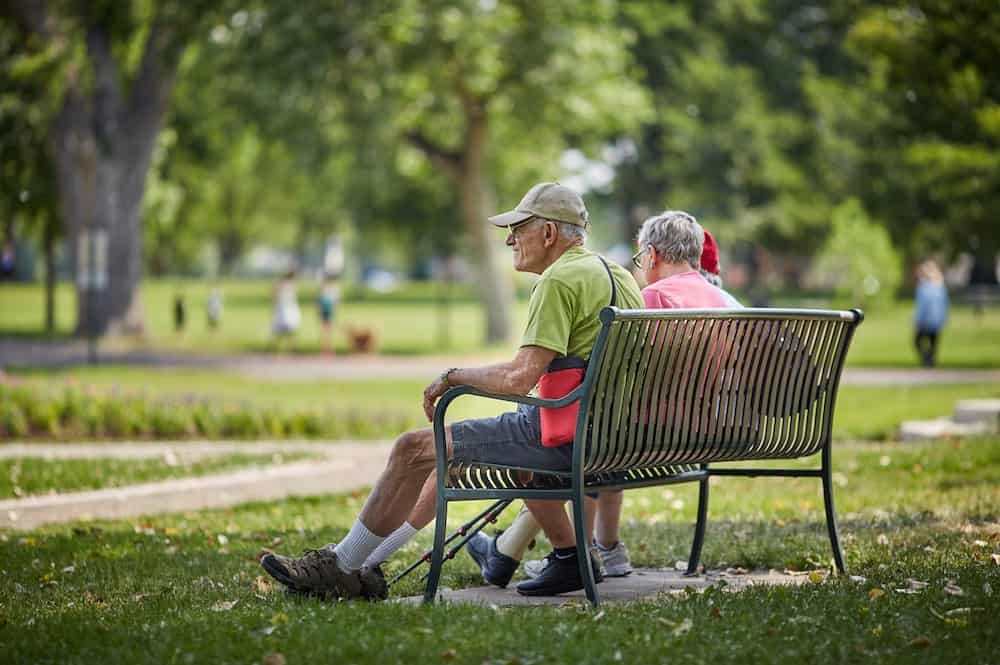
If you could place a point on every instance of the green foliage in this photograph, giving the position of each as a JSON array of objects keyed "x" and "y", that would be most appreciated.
[{"x": 859, "y": 254}]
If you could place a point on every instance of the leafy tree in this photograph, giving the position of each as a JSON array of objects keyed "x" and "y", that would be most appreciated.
[{"x": 118, "y": 64}]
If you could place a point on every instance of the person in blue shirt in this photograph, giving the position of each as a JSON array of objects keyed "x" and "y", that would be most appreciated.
[{"x": 931, "y": 311}]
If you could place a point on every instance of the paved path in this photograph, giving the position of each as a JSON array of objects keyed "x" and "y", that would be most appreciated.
[
  {"x": 22, "y": 353},
  {"x": 345, "y": 467},
  {"x": 643, "y": 583}
]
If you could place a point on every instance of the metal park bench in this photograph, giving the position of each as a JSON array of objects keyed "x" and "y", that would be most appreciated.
[{"x": 668, "y": 393}]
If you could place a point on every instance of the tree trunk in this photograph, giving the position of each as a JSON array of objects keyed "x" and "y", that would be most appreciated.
[
  {"x": 49, "y": 242},
  {"x": 103, "y": 145},
  {"x": 494, "y": 284}
]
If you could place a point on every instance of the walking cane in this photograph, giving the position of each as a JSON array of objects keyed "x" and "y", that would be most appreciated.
[{"x": 464, "y": 533}]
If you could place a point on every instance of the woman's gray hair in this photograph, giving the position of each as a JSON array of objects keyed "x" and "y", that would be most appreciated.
[
  {"x": 675, "y": 235},
  {"x": 711, "y": 277}
]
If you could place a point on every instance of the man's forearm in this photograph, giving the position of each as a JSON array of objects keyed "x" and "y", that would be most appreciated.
[{"x": 503, "y": 378}]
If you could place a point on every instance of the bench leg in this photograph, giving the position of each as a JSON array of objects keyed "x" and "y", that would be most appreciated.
[
  {"x": 831, "y": 516},
  {"x": 583, "y": 550},
  {"x": 437, "y": 557},
  {"x": 699, "y": 528}
]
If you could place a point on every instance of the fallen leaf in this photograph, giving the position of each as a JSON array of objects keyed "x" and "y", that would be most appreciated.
[
  {"x": 69, "y": 569},
  {"x": 921, "y": 642},
  {"x": 882, "y": 539},
  {"x": 953, "y": 589},
  {"x": 816, "y": 576},
  {"x": 996, "y": 558},
  {"x": 449, "y": 654},
  {"x": 980, "y": 543},
  {"x": 171, "y": 531},
  {"x": 987, "y": 589},
  {"x": 858, "y": 579},
  {"x": 915, "y": 584},
  {"x": 680, "y": 565},
  {"x": 262, "y": 585},
  {"x": 224, "y": 605},
  {"x": 274, "y": 659},
  {"x": 599, "y": 616},
  {"x": 683, "y": 627},
  {"x": 716, "y": 613},
  {"x": 959, "y": 611},
  {"x": 885, "y": 460},
  {"x": 738, "y": 570},
  {"x": 875, "y": 593}
]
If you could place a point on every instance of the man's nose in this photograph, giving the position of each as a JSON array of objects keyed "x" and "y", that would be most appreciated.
[{"x": 510, "y": 239}]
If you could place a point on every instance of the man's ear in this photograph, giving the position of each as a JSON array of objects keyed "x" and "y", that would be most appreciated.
[{"x": 551, "y": 234}]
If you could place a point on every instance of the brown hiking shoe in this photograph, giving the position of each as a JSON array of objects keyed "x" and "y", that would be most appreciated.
[
  {"x": 373, "y": 584},
  {"x": 315, "y": 572}
]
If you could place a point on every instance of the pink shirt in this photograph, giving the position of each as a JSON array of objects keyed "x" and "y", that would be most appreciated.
[{"x": 683, "y": 291}]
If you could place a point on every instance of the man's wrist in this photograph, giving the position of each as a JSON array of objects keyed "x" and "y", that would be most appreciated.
[{"x": 446, "y": 376}]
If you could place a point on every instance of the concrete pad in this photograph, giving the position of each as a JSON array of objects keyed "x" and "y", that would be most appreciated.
[
  {"x": 977, "y": 411},
  {"x": 644, "y": 583},
  {"x": 941, "y": 428}
]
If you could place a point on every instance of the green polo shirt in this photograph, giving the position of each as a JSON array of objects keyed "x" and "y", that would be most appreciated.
[{"x": 569, "y": 296}]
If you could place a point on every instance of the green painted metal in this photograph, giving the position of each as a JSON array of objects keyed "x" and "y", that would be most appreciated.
[{"x": 669, "y": 392}]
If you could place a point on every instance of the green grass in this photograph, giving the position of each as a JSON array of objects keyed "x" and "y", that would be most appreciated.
[
  {"x": 862, "y": 412},
  {"x": 26, "y": 476},
  {"x": 186, "y": 588},
  {"x": 408, "y": 323}
]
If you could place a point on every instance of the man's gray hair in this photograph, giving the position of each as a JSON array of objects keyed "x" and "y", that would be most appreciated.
[
  {"x": 675, "y": 235},
  {"x": 572, "y": 232}
]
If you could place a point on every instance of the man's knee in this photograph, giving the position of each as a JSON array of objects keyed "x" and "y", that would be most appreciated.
[{"x": 413, "y": 449}]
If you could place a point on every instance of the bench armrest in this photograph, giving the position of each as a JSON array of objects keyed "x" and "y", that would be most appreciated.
[{"x": 453, "y": 393}]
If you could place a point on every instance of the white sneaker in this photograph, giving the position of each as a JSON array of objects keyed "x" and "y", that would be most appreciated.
[
  {"x": 534, "y": 567},
  {"x": 615, "y": 560}
]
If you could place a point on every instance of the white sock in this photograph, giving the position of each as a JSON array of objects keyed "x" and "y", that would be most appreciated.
[
  {"x": 355, "y": 547},
  {"x": 392, "y": 542},
  {"x": 515, "y": 540}
]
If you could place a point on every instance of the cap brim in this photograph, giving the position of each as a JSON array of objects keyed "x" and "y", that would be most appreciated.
[{"x": 508, "y": 218}]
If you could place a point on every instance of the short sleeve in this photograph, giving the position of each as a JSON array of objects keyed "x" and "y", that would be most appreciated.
[
  {"x": 653, "y": 299},
  {"x": 550, "y": 316}
]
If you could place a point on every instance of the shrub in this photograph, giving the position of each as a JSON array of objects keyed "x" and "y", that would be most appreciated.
[
  {"x": 124, "y": 418},
  {"x": 43, "y": 416},
  {"x": 206, "y": 421},
  {"x": 13, "y": 423},
  {"x": 242, "y": 423},
  {"x": 169, "y": 421}
]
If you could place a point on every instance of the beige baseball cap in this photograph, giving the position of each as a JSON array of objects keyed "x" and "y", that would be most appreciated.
[{"x": 549, "y": 200}]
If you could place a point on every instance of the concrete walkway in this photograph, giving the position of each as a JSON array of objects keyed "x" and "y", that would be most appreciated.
[
  {"x": 344, "y": 468},
  {"x": 643, "y": 583}
]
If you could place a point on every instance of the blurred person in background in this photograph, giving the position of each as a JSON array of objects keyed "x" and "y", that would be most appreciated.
[
  {"x": 931, "y": 311},
  {"x": 326, "y": 301},
  {"x": 287, "y": 316}
]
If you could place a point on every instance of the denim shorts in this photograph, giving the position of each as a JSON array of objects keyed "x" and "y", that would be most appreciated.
[{"x": 510, "y": 439}]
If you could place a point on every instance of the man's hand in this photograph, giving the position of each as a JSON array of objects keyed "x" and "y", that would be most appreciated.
[{"x": 436, "y": 388}]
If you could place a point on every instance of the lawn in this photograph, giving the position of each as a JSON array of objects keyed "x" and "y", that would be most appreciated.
[
  {"x": 400, "y": 398},
  {"x": 186, "y": 588},
  {"x": 409, "y": 322},
  {"x": 27, "y": 476}
]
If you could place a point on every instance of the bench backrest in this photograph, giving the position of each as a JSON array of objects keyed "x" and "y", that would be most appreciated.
[{"x": 697, "y": 386}]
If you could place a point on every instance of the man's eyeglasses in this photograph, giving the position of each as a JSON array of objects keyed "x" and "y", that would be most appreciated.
[
  {"x": 513, "y": 229},
  {"x": 637, "y": 257}
]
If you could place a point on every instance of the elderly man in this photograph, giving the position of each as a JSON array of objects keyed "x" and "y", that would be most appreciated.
[
  {"x": 670, "y": 255},
  {"x": 545, "y": 232}
]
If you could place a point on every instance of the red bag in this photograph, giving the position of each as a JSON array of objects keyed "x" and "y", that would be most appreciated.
[{"x": 560, "y": 378}]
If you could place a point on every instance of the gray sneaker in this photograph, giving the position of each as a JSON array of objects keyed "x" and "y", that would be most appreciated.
[
  {"x": 615, "y": 560},
  {"x": 315, "y": 572},
  {"x": 534, "y": 568}
]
